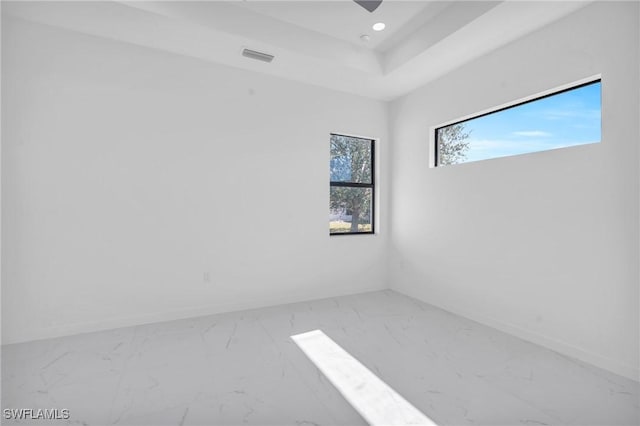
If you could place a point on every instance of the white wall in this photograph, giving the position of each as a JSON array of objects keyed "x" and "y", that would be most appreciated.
[
  {"x": 543, "y": 245},
  {"x": 127, "y": 173}
]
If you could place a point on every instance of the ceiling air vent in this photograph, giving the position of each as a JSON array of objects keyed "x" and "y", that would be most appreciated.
[{"x": 264, "y": 57}]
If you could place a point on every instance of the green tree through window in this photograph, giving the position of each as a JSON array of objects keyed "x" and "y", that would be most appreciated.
[
  {"x": 453, "y": 144},
  {"x": 351, "y": 185}
]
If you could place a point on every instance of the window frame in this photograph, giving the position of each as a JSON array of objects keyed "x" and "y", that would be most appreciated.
[
  {"x": 533, "y": 98},
  {"x": 371, "y": 185}
]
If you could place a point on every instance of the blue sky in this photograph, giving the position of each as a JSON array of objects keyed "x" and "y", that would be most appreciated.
[{"x": 566, "y": 119}]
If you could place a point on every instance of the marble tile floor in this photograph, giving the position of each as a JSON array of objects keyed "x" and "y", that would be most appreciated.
[{"x": 242, "y": 368}]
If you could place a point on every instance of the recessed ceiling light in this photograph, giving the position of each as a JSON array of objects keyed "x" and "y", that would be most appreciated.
[
  {"x": 379, "y": 26},
  {"x": 365, "y": 37}
]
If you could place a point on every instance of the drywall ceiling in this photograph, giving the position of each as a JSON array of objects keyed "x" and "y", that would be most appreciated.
[
  {"x": 345, "y": 20},
  {"x": 314, "y": 42}
]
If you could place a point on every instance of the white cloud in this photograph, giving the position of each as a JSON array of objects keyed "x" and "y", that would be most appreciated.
[
  {"x": 481, "y": 149},
  {"x": 508, "y": 145},
  {"x": 573, "y": 112},
  {"x": 533, "y": 134}
]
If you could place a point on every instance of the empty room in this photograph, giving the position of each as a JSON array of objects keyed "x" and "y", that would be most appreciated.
[{"x": 307, "y": 213}]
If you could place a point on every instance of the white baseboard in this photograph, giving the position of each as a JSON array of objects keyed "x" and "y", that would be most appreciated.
[
  {"x": 629, "y": 371},
  {"x": 29, "y": 335}
]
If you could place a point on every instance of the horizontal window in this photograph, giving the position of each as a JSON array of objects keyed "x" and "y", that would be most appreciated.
[
  {"x": 561, "y": 119},
  {"x": 351, "y": 185}
]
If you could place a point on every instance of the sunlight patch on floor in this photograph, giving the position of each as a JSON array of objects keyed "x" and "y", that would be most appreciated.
[{"x": 376, "y": 401}]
